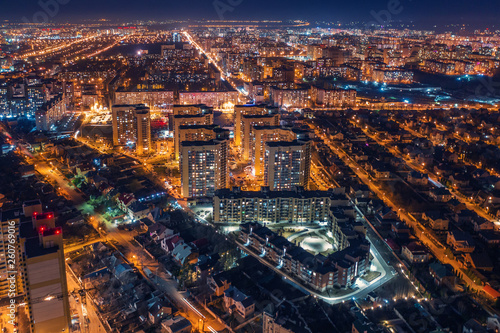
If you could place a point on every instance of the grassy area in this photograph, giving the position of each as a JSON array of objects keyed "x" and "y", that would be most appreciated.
[
  {"x": 370, "y": 276},
  {"x": 340, "y": 292}
]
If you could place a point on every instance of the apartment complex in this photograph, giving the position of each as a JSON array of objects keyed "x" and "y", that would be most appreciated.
[
  {"x": 9, "y": 226},
  {"x": 154, "y": 99},
  {"x": 340, "y": 269},
  {"x": 247, "y": 116},
  {"x": 260, "y": 135},
  {"x": 132, "y": 125},
  {"x": 204, "y": 167},
  {"x": 50, "y": 112},
  {"x": 287, "y": 164},
  {"x": 266, "y": 206},
  {"x": 333, "y": 97},
  {"x": 41, "y": 274},
  {"x": 297, "y": 97},
  {"x": 188, "y": 115},
  {"x": 215, "y": 99}
]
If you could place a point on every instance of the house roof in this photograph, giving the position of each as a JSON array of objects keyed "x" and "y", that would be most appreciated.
[
  {"x": 491, "y": 292},
  {"x": 441, "y": 270},
  {"x": 238, "y": 296},
  {"x": 415, "y": 247},
  {"x": 176, "y": 324},
  {"x": 181, "y": 252},
  {"x": 480, "y": 260},
  {"x": 171, "y": 243},
  {"x": 220, "y": 279}
]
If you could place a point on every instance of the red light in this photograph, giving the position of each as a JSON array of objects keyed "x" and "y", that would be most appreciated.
[
  {"x": 49, "y": 216},
  {"x": 58, "y": 231},
  {"x": 35, "y": 213},
  {"x": 42, "y": 229}
]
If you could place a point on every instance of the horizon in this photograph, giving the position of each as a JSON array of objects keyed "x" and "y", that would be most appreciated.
[{"x": 399, "y": 14}]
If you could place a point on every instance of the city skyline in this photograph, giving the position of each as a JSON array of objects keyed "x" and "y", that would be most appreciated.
[
  {"x": 442, "y": 16},
  {"x": 251, "y": 172}
]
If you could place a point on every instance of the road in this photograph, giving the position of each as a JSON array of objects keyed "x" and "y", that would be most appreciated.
[
  {"x": 420, "y": 231},
  {"x": 89, "y": 319},
  {"x": 387, "y": 273},
  {"x": 435, "y": 179},
  {"x": 135, "y": 253}
]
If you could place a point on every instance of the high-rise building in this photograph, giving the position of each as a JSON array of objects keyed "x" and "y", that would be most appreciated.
[
  {"x": 45, "y": 274},
  {"x": 287, "y": 164},
  {"x": 248, "y": 116},
  {"x": 132, "y": 125},
  {"x": 41, "y": 270},
  {"x": 9, "y": 226},
  {"x": 262, "y": 134},
  {"x": 50, "y": 112},
  {"x": 204, "y": 167},
  {"x": 200, "y": 132},
  {"x": 4, "y": 103},
  {"x": 186, "y": 115},
  {"x": 290, "y": 97}
]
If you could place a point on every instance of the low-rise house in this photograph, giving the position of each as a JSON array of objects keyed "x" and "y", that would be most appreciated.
[
  {"x": 417, "y": 178},
  {"x": 219, "y": 283},
  {"x": 415, "y": 253},
  {"x": 491, "y": 292},
  {"x": 360, "y": 191},
  {"x": 159, "y": 310},
  {"x": 206, "y": 265},
  {"x": 440, "y": 194},
  {"x": 463, "y": 217},
  {"x": 400, "y": 230},
  {"x": 27, "y": 171},
  {"x": 237, "y": 302},
  {"x": 442, "y": 274},
  {"x": 490, "y": 237},
  {"x": 460, "y": 241},
  {"x": 96, "y": 278},
  {"x": 137, "y": 211},
  {"x": 479, "y": 261},
  {"x": 473, "y": 326},
  {"x": 459, "y": 180},
  {"x": 158, "y": 232},
  {"x": 177, "y": 324},
  {"x": 380, "y": 170},
  {"x": 125, "y": 200},
  {"x": 456, "y": 206},
  {"x": 122, "y": 269},
  {"x": 482, "y": 224},
  {"x": 386, "y": 217},
  {"x": 436, "y": 220},
  {"x": 184, "y": 254},
  {"x": 168, "y": 244}
]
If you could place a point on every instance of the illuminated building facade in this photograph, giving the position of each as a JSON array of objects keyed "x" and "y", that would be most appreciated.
[
  {"x": 132, "y": 125},
  {"x": 293, "y": 98},
  {"x": 247, "y": 116},
  {"x": 50, "y": 112},
  {"x": 334, "y": 97},
  {"x": 287, "y": 164},
  {"x": 265, "y": 206},
  {"x": 154, "y": 99},
  {"x": 186, "y": 115},
  {"x": 203, "y": 167},
  {"x": 260, "y": 135}
]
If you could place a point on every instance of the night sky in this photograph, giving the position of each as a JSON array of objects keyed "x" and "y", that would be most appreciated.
[{"x": 424, "y": 13}]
